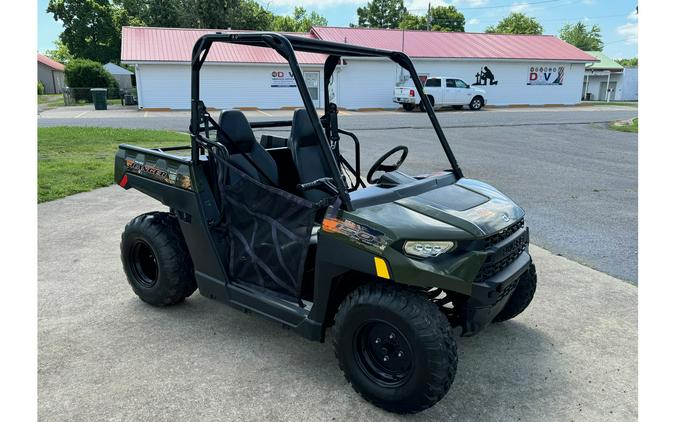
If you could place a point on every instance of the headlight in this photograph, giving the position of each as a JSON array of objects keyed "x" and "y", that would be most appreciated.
[{"x": 427, "y": 249}]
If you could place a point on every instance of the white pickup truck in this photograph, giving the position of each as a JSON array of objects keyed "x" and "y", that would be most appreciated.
[{"x": 442, "y": 91}]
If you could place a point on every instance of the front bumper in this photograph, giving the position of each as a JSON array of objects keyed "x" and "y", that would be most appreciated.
[{"x": 489, "y": 297}]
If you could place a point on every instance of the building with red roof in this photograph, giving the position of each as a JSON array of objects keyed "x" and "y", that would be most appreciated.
[
  {"x": 526, "y": 69},
  {"x": 50, "y": 73}
]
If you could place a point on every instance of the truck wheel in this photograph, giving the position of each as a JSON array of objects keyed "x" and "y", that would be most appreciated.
[
  {"x": 476, "y": 103},
  {"x": 521, "y": 297},
  {"x": 156, "y": 260},
  {"x": 431, "y": 100},
  {"x": 395, "y": 348},
  {"x": 408, "y": 106}
]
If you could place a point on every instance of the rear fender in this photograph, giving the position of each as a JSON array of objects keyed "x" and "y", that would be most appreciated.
[{"x": 176, "y": 183}]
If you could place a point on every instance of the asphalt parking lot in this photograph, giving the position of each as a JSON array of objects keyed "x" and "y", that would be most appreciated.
[
  {"x": 576, "y": 179},
  {"x": 105, "y": 355}
]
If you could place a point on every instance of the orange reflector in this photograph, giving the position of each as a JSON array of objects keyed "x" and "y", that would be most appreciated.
[{"x": 381, "y": 268}]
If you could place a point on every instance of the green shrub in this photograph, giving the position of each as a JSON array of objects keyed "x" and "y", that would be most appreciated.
[
  {"x": 82, "y": 73},
  {"x": 41, "y": 88}
]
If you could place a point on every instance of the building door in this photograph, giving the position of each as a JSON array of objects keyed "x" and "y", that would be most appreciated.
[
  {"x": 313, "y": 86},
  {"x": 604, "y": 91}
]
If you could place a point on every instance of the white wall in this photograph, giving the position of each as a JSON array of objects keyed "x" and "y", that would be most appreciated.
[
  {"x": 369, "y": 83},
  {"x": 168, "y": 86},
  {"x": 53, "y": 80},
  {"x": 629, "y": 84},
  {"x": 361, "y": 83}
]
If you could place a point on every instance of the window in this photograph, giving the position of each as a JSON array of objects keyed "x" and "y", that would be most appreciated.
[
  {"x": 460, "y": 84},
  {"x": 450, "y": 83},
  {"x": 433, "y": 83},
  {"x": 312, "y": 82}
]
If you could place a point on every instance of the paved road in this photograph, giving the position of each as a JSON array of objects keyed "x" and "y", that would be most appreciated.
[
  {"x": 105, "y": 355},
  {"x": 179, "y": 120},
  {"x": 576, "y": 179}
]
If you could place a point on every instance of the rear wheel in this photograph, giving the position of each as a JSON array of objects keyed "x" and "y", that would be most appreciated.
[
  {"x": 476, "y": 103},
  {"x": 408, "y": 106},
  {"x": 156, "y": 260},
  {"x": 395, "y": 348},
  {"x": 521, "y": 297},
  {"x": 431, "y": 100}
]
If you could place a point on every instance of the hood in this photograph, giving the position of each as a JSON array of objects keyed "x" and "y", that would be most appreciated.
[
  {"x": 470, "y": 205},
  {"x": 465, "y": 209}
]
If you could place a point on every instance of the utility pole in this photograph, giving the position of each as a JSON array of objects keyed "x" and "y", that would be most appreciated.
[{"x": 429, "y": 17}]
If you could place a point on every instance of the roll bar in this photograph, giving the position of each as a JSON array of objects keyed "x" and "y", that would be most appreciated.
[{"x": 286, "y": 45}]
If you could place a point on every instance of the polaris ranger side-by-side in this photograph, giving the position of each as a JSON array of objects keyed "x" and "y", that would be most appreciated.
[{"x": 287, "y": 228}]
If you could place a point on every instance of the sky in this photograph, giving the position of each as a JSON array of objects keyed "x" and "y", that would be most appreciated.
[{"x": 617, "y": 18}]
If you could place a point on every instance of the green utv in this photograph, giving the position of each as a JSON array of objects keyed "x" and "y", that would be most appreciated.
[{"x": 288, "y": 229}]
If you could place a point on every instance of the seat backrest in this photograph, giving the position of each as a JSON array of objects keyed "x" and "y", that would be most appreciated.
[
  {"x": 242, "y": 144},
  {"x": 307, "y": 154}
]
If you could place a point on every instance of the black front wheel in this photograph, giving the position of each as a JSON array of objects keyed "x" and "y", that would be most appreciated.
[
  {"x": 156, "y": 260},
  {"x": 395, "y": 348}
]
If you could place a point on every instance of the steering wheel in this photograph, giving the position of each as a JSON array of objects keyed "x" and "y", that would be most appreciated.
[{"x": 378, "y": 166}]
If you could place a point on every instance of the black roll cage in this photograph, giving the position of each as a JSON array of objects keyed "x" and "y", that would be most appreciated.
[{"x": 286, "y": 45}]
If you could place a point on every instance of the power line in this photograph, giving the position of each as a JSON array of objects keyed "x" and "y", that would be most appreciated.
[
  {"x": 622, "y": 40},
  {"x": 544, "y": 20},
  {"x": 496, "y": 6}
]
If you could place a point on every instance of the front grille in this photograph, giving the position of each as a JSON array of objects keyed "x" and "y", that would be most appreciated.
[
  {"x": 504, "y": 233},
  {"x": 504, "y": 256}
]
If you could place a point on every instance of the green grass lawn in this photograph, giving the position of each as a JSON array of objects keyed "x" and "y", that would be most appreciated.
[
  {"x": 79, "y": 159},
  {"x": 51, "y": 100},
  {"x": 622, "y": 127},
  {"x": 612, "y": 103}
]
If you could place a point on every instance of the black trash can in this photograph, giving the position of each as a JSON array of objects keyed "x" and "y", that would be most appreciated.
[
  {"x": 588, "y": 96},
  {"x": 100, "y": 98}
]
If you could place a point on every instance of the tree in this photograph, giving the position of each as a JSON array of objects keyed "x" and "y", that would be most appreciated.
[
  {"x": 214, "y": 14},
  {"x": 439, "y": 18},
  {"x": 447, "y": 19},
  {"x": 60, "y": 53},
  {"x": 411, "y": 21},
  {"x": 381, "y": 14},
  {"x": 628, "y": 62},
  {"x": 91, "y": 28},
  {"x": 516, "y": 23},
  {"x": 299, "y": 22},
  {"x": 248, "y": 14},
  {"x": 582, "y": 36},
  {"x": 83, "y": 73},
  {"x": 161, "y": 13}
]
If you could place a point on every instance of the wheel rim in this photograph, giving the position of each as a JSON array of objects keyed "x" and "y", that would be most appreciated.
[
  {"x": 475, "y": 103},
  {"x": 144, "y": 264},
  {"x": 383, "y": 353}
]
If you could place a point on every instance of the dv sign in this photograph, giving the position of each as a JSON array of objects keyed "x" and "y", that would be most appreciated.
[
  {"x": 282, "y": 79},
  {"x": 546, "y": 75}
]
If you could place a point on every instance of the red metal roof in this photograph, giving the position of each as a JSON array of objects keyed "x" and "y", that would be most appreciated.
[
  {"x": 141, "y": 44},
  {"x": 461, "y": 45},
  {"x": 51, "y": 63}
]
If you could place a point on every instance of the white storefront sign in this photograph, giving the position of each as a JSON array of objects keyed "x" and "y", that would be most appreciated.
[
  {"x": 282, "y": 79},
  {"x": 546, "y": 75}
]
